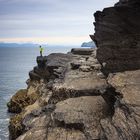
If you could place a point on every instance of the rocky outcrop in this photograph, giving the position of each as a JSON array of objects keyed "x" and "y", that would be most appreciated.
[
  {"x": 125, "y": 123},
  {"x": 81, "y": 98},
  {"x": 79, "y": 103},
  {"x": 117, "y": 39},
  {"x": 48, "y": 66},
  {"x": 117, "y": 36},
  {"x": 18, "y": 101},
  {"x": 67, "y": 97},
  {"x": 21, "y": 99}
]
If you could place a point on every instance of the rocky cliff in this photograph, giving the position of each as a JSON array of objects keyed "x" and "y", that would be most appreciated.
[
  {"x": 117, "y": 36},
  {"x": 86, "y": 94}
]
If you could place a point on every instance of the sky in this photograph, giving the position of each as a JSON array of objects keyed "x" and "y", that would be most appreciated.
[{"x": 53, "y": 22}]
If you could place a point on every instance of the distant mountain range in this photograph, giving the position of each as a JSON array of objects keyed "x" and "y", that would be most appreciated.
[
  {"x": 90, "y": 44},
  {"x": 20, "y": 45}
]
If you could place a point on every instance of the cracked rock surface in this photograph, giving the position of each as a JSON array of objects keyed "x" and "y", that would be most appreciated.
[
  {"x": 80, "y": 105},
  {"x": 86, "y": 94}
]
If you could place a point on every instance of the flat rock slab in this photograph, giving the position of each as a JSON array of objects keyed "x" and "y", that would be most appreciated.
[
  {"x": 82, "y": 51},
  {"x": 56, "y": 60},
  {"x": 82, "y": 113},
  {"x": 82, "y": 83}
]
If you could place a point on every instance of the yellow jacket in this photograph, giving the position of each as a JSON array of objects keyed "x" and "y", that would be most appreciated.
[{"x": 41, "y": 49}]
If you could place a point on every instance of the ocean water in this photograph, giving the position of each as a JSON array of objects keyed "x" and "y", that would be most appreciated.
[{"x": 15, "y": 63}]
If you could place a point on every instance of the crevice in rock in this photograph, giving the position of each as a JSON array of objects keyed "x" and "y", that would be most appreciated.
[
  {"x": 112, "y": 98},
  {"x": 57, "y": 97},
  {"x": 76, "y": 126}
]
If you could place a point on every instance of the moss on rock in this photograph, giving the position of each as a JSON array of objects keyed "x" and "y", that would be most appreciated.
[
  {"x": 20, "y": 100},
  {"x": 16, "y": 128}
]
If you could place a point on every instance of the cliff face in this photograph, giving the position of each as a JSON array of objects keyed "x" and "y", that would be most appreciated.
[
  {"x": 117, "y": 36},
  {"x": 69, "y": 104},
  {"x": 76, "y": 96}
]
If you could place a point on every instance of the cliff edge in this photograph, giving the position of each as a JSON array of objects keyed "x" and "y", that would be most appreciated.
[{"x": 86, "y": 94}]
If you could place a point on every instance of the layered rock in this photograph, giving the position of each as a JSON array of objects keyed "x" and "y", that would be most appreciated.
[
  {"x": 125, "y": 123},
  {"x": 80, "y": 88},
  {"x": 117, "y": 36},
  {"x": 47, "y": 65},
  {"x": 79, "y": 104},
  {"x": 76, "y": 101}
]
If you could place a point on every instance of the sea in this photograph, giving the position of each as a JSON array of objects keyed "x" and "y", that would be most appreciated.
[{"x": 15, "y": 64}]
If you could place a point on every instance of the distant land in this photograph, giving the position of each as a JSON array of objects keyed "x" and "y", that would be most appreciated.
[
  {"x": 90, "y": 44},
  {"x": 20, "y": 44},
  {"x": 4, "y": 44}
]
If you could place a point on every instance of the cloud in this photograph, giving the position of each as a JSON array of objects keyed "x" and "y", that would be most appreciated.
[{"x": 40, "y": 18}]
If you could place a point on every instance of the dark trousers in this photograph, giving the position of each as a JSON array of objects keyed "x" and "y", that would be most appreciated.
[{"x": 40, "y": 53}]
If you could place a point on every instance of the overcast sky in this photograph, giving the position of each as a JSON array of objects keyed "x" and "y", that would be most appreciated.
[{"x": 61, "y": 22}]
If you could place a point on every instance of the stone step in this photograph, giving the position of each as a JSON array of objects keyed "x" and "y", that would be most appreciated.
[{"x": 82, "y": 51}]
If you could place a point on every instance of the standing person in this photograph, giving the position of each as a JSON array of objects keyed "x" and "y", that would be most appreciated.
[{"x": 41, "y": 50}]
